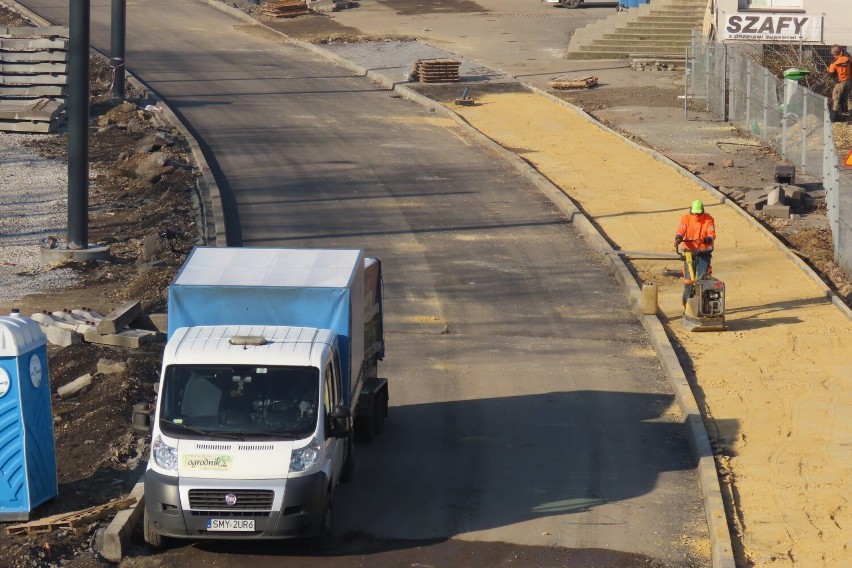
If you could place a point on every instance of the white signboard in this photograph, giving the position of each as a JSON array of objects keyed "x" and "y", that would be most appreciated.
[{"x": 764, "y": 27}]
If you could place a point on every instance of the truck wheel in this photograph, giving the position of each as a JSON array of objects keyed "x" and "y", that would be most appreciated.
[
  {"x": 570, "y": 3},
  {"x": 322, "y": 540},
  {"x": 380, "y": 413},
  {"x": 150, "y": 532},
  {"x": 349, "y": 465},
  {"x": 365, "y": 428}
]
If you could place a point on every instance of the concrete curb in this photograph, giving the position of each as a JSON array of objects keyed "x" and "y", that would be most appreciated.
[
  {"x": 207, "y": 190},
  {"x": 210, "y": 201},
  {"x": 118, "y": 532}
]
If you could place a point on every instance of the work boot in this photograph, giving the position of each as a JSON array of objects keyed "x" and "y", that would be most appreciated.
[{"x": 832, "y": 115}]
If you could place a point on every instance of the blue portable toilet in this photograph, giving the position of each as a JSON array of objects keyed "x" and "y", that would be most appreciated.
[{"x": 27, "y": 452}]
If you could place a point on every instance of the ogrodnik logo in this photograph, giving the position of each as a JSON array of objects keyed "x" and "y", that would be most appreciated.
[{"x": 208, "y": 463}]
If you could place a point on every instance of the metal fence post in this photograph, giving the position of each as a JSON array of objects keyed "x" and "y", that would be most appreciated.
[
  {"x": 804, "y": 121},
  {"x": 686, "y": 84},
  {"x": 748, "y": 96},
  {"x": 727, "y": 92},
  {"x": 765, "y": 131}
]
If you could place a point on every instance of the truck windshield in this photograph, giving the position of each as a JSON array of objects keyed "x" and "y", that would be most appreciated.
[{"x": 239, "y": 400}]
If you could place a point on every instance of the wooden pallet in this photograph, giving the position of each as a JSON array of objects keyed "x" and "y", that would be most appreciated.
[
  {"x": 285, "y": 8},
  {"x": 573, "y": 82},
  {"x": 71, "y": 520},
  {"x": 436, "y": 70}
]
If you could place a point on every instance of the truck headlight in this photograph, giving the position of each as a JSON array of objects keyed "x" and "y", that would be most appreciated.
[
  {"x": 165, "y": 456},
  {"x": 305, "y": 458}
]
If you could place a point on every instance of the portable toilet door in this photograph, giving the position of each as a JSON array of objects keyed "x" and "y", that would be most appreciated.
[{"x": 27, "y": 452}]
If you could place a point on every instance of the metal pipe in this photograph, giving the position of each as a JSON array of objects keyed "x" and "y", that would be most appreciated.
[
  {"x": 78, "y": 124},
  {"x": 118, "y": 27}
]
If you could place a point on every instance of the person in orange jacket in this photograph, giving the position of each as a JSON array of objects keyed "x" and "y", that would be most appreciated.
[
  {"x": 840, "y": 69},
  {"x": 697, "y": 234}
]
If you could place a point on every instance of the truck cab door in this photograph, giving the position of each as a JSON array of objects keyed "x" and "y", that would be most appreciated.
[{"x": 336, "y": 446}]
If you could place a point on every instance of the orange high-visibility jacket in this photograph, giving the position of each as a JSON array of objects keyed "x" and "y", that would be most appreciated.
[
  {"x": 842, "y": 65},
  {"x": 694, "y": 228}
]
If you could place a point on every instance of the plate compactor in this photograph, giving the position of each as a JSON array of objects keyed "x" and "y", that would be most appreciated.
[{"x": 705, "y": 303}]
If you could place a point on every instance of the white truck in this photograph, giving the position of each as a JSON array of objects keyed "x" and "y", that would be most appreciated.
[{"x": 271, "y": 354}]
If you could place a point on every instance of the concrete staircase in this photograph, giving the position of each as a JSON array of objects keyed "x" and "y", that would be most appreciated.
[{"x": 662, "y": 28}]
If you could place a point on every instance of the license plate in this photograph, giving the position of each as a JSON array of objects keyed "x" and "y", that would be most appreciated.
[{"x": 230, "y": 525}]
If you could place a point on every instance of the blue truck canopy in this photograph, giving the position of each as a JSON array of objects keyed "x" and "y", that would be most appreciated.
[{"x": 318, "y": 288}]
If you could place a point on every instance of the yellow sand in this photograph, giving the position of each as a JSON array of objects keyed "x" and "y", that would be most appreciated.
[{"x": 778, "y": 385}]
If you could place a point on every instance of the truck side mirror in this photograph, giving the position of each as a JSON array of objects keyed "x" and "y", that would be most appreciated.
[
  {"x": 141, "y": 419},
  {"x": 340, "y": 422}
]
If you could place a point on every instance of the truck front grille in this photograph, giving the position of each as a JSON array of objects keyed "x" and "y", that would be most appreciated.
[{"x": 247, "y": 499}]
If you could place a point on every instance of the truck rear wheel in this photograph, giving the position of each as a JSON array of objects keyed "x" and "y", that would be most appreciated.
[
  {"x": 366, "y": 427},
  {"x": 149, "y": 531},
  {"x": 570, "y": 3},
  {"x": 380, "y": 412}
]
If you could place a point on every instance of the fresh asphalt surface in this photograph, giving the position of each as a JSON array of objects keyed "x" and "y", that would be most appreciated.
[{"x": 527, "y": 405}]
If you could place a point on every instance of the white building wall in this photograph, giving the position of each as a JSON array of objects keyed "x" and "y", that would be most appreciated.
[{"x": 833, "y": 18}]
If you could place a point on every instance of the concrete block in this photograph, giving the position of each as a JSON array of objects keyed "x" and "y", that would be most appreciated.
[
  {"x": 778, "y": 210},
  {"x": 120, "y": 317},
  {"x": 131, "y": 338},
  {"x": 118, "y": 534},
  {"x": 795, "y": 195},
  {"x": 74, "y": 386},
  {"x": 775, "y": 195},
  {"x": 109, "y": 367},
  {"x": 61, "y": 337},
  {"x": 152, "y": 322}
]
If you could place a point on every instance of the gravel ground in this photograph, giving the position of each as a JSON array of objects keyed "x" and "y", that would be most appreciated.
[{"x": 33, "y": 206}]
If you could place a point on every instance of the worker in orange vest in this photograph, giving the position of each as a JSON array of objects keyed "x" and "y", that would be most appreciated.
[
  {"x": 697, "y": 234},
  {"x": 839, "y": 69}
]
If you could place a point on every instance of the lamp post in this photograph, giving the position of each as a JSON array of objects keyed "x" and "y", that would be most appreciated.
[
  {"x": 78, "y": 124},
  {"x": 118, "y": 29}
]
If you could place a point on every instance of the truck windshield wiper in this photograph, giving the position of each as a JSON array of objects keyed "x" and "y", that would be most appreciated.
[{"x": 212, "y": 433}]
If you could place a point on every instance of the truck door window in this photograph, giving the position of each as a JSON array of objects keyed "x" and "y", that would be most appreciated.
[
  {"x": 330, "y": 395},
  {"x": 335, "y": 363}
]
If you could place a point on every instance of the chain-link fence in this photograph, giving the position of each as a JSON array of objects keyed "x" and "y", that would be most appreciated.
[{"x": 788, "y": 117}]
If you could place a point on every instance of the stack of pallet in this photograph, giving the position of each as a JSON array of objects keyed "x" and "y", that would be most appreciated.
[
  {"x": 436, "y": 70},
  {"x": 33, "y": 78},
  {"x": 285, "y": 8}
]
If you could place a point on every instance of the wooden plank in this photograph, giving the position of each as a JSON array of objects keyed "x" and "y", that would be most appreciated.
[
  {"x": 573, "y": 82},
  {"x": 73, "y": 519},
  {"x": 118, "y": 319}
]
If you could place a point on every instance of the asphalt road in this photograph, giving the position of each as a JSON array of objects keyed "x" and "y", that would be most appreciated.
[{"x": 527, "y": 405}]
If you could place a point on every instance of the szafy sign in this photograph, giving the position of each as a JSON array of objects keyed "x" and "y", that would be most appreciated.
[{"x": 771, "y": 27}]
